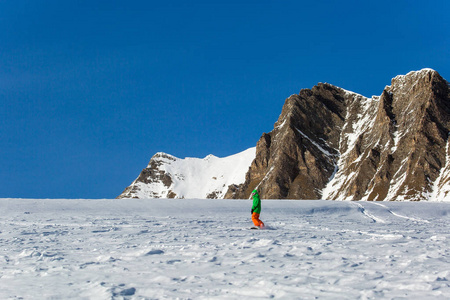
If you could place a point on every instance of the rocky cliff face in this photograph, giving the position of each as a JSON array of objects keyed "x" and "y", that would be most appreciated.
[{"x": 329, "y": 143}]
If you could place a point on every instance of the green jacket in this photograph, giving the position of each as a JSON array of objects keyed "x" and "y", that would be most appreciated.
[{"x": 256, "y": 203}]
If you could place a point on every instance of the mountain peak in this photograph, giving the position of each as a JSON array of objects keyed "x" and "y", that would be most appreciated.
[
  {"x": 164, "y": 156},
  {"x": 413, "y": 77},
  {"x": 340, "y": 145},
  {"x": 169, "y": 177},
  {"x": 422, "y": 72}
]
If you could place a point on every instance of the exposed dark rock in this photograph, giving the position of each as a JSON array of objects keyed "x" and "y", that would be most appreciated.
[
  {"x": 334, "y": 144},
  {"x": 151, "y": 174}
]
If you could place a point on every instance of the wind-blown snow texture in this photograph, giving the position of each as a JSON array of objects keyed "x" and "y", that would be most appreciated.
[{"x": 202, "y": 249}]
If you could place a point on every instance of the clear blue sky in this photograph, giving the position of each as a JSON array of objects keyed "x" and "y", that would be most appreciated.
[{"x": 90, "y": 90}]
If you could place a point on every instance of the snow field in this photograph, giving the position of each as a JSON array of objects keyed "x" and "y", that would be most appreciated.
[{"x": 203, "y": 249}]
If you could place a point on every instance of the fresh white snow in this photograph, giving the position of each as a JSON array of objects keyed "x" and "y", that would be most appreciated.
[
  {"x": 197, "y": 177},
  {"x": 203, "y": 249}
]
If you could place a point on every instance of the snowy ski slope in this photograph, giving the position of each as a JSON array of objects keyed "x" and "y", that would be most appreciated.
[{"x": 203, "y": 249}]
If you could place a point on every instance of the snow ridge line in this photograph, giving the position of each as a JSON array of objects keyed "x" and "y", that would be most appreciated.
[{"x": 399, "y": 215}]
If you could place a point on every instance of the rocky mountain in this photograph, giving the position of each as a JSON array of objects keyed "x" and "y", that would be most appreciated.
[
  {"x": 329, "y": 143},
  {"x": 167, "y": 176}
]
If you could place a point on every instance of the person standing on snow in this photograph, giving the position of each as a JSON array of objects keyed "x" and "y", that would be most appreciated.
[{"x": 256, "y": 210}]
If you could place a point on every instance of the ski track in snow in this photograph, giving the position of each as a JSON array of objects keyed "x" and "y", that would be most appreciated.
[
  {"x": 363, "y": 210},
  {"x": 203, "y": 249}
]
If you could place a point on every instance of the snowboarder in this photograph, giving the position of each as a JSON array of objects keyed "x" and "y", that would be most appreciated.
[{"x": 256, "y": 210}]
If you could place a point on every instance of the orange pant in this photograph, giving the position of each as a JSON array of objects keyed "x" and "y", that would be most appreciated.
[{"x": 256, "y": 220}]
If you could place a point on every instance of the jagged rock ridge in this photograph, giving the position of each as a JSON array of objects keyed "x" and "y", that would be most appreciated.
[{"x": 329, "y": 143}]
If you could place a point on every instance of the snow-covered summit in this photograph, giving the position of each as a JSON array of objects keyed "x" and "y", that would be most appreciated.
[{"x": 167, "y": 176}]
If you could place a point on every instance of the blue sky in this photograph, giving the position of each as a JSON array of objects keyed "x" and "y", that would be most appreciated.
[{"x": 90, "y": 90}]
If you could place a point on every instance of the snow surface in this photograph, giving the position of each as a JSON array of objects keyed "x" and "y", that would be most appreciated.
[
  {"x": 203, "y": 249},
  {"x": 196, "y": 177}
]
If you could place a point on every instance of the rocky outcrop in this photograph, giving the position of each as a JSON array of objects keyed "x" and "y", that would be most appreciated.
[
  {"x": 153, "y": 181},
  {"x": 329, "y": 143}
]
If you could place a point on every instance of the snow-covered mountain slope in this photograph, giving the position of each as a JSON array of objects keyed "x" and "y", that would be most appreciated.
[
  {"x": 167, "y": 176},
  {"x": 203, "y": 249}
]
